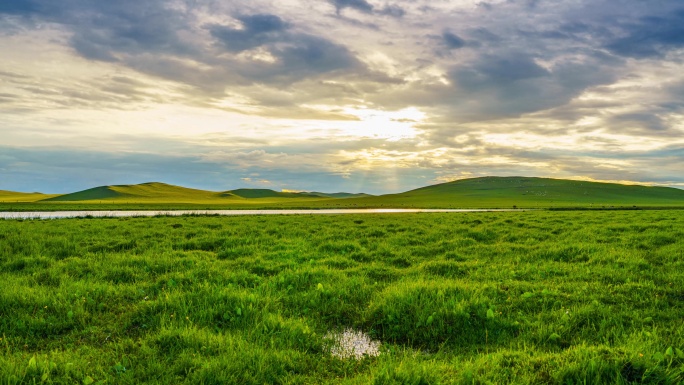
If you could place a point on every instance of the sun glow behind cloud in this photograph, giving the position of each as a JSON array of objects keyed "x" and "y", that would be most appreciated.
[{"x": 378, "y": 124}]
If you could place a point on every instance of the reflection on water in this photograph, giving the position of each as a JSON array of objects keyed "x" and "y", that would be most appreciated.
[{"x": 121, "y": 214}]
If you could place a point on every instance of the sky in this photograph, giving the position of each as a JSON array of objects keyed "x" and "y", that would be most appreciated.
[{"x": 376, "y": 96}]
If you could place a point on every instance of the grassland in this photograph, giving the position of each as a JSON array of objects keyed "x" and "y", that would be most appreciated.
[{"x": 533, "y": 297}]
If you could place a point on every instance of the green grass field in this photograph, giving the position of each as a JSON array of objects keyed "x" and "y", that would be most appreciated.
[
  {"x": 480, "y": 298},
  {"x": 488, "y": 192}
]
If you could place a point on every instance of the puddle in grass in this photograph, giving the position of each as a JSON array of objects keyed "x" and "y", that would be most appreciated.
[{"x": 352, "y": 344}]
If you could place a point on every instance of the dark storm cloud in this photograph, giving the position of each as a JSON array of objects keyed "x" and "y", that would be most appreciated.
[
  {"x": 625, "y": 28},
  {"x": 258, "y": 30},
  {"x": 164, "y": 39},
  {"x": 392, "y": 10},
  {"x": 101, "y": 30},
  {"x": 515, "y": 67},
  {"x": 641, "y": 123},
  {"x": 359, "y": 5},
  {"x": 168, "y": 40},
  {"x": 298, "y": 55},
  {"x": 129, "y": 27},
  {"x": 18, "y": 7},
  {"x": 650, "y": 36},
  {"x": 311, "y": 54},
  {"x": 452, "y": 41},
  {"x": 491, "y": 70},
  {"x": 484, "y": 36},
  {"x": 514, "y": 83},
  {"x": 262, "y": 23},
  {"x": 585, "y": 30}
]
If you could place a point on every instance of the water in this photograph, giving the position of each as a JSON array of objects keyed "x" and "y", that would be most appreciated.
[
  {"x": 353, "y": 344},
  {"x": 141, "y": 213}
]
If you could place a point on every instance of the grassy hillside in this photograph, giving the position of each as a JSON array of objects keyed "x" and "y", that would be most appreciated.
[
  {"x": 476, "y": 298},
  {"x": 157, "y": 192},
  {"x": 13, "y": 196},
  {"x": 529, "y": 192},
  {"x": 487, "y": 192},
  {"x": 151, "y": 193},
  {"x": 154, "y": 193}
]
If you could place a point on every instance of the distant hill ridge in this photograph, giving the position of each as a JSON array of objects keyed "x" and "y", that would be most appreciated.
[
  {"x": 13, "y": 196},
  {"x": 484, "y": 192},
  {"x": 152, "y": 191},
  {"x": 165, "y": 192}
]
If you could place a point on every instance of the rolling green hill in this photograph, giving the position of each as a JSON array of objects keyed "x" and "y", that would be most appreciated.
[
  {"x": 13, "y": 196},
  {"x": 486, "y": 192},
  {"x": 525, "y": 192},
  {"x": 165, "y": 193},
  {"x": 157, "y": 192}
]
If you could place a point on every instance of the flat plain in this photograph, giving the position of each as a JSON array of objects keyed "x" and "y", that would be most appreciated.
[{"x": 568, "y": 297}]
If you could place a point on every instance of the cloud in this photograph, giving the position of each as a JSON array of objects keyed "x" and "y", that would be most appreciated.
[
  {"x": 452, "y": 41},
  {"x": 262, "y": 23},
  {"x": 257, "y": 30},
  {"x": 20, "y": 7},
  {"x": 506, "y": 84},
  {"x": 640, "y": 123},
  {"x": 393, "y": 10},
  {"x": 279, "y": 49},
  {"x": 311, "y": 54},
  {"x": 294, "y": 56},
  {"x": 104, "y": 30},
  {"x": 498, "y": 70},
  {"x": 162, "y": 39},
  {"x": 359, "y": 5},
  {"x": 650, "y": 36},
  {"x": 172, "y": 41}
]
